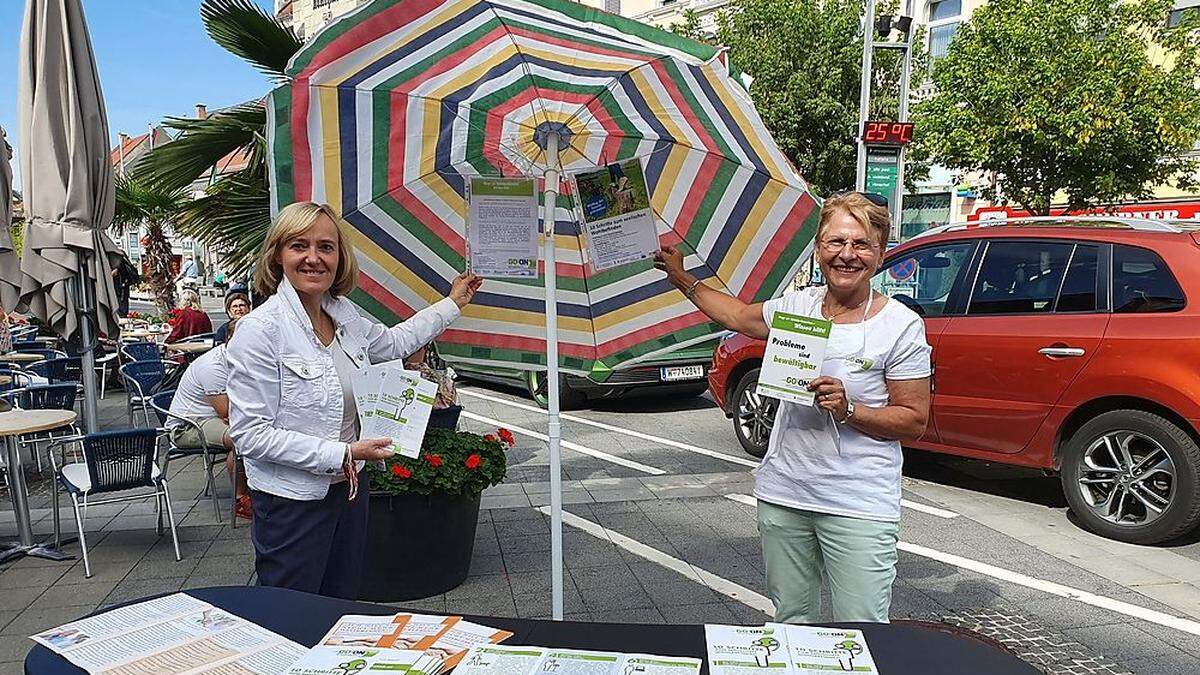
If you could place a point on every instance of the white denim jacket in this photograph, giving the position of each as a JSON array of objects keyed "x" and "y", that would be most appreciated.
[{"x": 285, "y": 399}]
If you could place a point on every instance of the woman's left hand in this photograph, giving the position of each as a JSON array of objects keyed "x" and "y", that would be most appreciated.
[
  {"x": 831, "y": 395},
  {"x": 463, "y": 288}
]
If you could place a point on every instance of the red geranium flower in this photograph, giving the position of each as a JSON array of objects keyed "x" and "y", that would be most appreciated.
[
  {"x": 435, "y": 460},
  {"x": 401, "y": 471},
  {"x": 473, "y": 461},
  {"x": 506, "y": 436},
  {"x": 489, "y": 438}
]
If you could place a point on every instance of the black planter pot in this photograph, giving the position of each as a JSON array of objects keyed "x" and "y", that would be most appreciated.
[{"x": 418, "y": 546}]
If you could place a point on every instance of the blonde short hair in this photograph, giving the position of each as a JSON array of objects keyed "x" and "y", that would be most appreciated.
[
  {"x": 190, "y": 298},
  {"x": 870, "y": 215},
  {"x": 292, "y": 221}
]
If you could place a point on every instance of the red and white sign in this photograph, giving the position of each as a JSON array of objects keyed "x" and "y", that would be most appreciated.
[{"x": 1170, "y": 211}]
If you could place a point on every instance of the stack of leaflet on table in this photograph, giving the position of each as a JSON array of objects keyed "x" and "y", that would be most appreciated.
[
  {"x": 414, "y": 644},
  {"x": 513, "y": 660},
  {"x": 175, "y": 634},
  {"x": 393, "y": 403},
  {"x": 784, "y": 649}
]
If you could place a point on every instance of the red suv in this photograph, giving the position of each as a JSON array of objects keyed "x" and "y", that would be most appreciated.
[{"x": 1070, "y": 345}]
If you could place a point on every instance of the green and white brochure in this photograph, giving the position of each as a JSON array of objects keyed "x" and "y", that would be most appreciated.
[
  {"x": 516, "y": 660},
  {"x": 393, "y": 403},
  {"x": 746, "y": 650},
  {"x": 502, "y": 227},
  {"x": 787, "y": 650},
  {"x": 795, "y": 350},
  {"x": 814, "y": 650},
  {"x": 352, "y": 660}
]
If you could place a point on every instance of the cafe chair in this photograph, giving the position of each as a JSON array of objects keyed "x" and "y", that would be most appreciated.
[
  {"x": 141, "y": 378},
  {"x": 40, "y": 350},
  {"x": 141, "y": 351},
  {"x": 17, "y": 378},
  {"x": 213, "y": 455},
  {"x": 43, "y": 397},
  {"x": 114, "y": 461},
  {"x": 102, "y": 368}
]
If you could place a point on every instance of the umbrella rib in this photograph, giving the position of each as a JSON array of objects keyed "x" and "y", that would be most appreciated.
[{"x": 524, "y": 67}]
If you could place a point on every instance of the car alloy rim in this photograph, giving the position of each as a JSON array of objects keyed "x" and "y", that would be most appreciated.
[
  {"x": 756, "y": 415},
  {"x": 1127, "y": 478}
]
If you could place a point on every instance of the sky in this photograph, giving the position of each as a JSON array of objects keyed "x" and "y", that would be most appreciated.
[{"x": 154, "y": 59}]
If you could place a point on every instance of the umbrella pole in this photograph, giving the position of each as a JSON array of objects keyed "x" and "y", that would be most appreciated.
[
  {"x": 554, "y": 426},
  {"x": 87, "y": 339}
]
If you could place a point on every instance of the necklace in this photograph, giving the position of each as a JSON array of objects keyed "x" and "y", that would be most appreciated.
[{"x": 825, "y": 312}]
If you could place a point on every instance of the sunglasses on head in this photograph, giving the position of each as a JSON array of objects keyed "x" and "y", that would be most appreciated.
[{"x": 873, "y": 197}]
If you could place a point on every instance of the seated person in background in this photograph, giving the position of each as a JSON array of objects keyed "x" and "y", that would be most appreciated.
[
  {"x": 201, "y": 398},
  {"x": 419, "y": 361},
  {"x": 237, "y": 305},
  {"x": 191, "y": 319}
]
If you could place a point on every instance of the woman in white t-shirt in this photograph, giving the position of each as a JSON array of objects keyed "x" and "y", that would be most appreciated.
[{"x": 828, "y": 488}]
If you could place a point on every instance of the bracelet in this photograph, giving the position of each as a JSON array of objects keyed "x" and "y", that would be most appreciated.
[{"x": 691, "y": 291}]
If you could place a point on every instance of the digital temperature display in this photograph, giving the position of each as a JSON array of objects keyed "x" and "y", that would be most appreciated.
[{"x": 887, "y": 133}]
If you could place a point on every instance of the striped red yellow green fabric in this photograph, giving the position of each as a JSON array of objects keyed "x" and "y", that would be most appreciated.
[{"x": 393, "y": 107}]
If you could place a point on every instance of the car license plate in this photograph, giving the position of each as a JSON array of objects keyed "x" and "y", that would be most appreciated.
[{"x": 678, "y": 373}]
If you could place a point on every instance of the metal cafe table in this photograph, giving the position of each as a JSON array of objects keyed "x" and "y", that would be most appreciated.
[
  {"x": 904, "y": 648},
  {"x": 14, "y": 423}
]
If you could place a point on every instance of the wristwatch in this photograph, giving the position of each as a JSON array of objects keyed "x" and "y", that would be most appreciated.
[{"x": 849, "y": 410}]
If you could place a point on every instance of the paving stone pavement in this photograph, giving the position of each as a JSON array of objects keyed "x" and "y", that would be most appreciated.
[{"x": 684, "y": 514}]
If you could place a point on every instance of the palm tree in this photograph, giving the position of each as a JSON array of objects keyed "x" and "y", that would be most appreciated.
[
  {"x": 141, "y": 203},
  {"x": 235, "y": 212}
]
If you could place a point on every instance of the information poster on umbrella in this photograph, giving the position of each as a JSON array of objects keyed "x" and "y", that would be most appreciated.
[
  {"x": 617, "y": 223},
  {"x": 502, "y": 231}
]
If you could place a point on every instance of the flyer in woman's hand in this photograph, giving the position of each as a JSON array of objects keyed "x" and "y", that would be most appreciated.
[
  {"x": 795, "y": 350},
  {"x": 617, "y": 223},
  {"x": 394, "y": 403}
]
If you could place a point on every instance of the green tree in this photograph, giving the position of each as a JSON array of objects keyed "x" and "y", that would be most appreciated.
[
  {"x": 235, "y": 212},
  {"x": 805, "y": 58},
  {"x": 139, "y": 204},
  {"x": 1090, "y": 99}
]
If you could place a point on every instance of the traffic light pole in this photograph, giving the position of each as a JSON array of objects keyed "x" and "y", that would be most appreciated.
[
  {"x": 864, "y": 95},
  {"x": 870, "y": 44}
]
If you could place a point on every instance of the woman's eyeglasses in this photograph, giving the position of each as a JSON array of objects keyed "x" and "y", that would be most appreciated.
[{"x": 857, "y": 245}]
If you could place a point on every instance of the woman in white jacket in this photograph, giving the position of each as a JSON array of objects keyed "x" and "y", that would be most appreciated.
[{"x": 292, "y": 414}]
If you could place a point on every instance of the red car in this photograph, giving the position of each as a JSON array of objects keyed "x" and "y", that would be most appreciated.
[{"x": 1070, "y": 345}]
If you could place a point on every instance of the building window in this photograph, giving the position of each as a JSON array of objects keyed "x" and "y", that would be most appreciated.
[
  {"x": 944, "y": 9},
  {"x": 1180, "y": 15},
  {"x": 612, "y": 6},
  {"x": 944, "y": 17},
  {"x": 321, "y": 3}
]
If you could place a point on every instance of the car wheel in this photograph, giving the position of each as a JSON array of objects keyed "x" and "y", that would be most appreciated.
[
  {"x": 1133, "y": 476},
  {"x": 568, "y": 398},
  {"x": 753, "y": 415}
]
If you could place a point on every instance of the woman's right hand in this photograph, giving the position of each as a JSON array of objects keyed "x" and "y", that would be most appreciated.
[
  {"x": 670, "y": 260},
  {"x": 371, "y": 449}
]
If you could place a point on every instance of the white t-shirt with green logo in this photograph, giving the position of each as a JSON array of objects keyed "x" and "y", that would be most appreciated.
[{"x": 809, "y": 464}]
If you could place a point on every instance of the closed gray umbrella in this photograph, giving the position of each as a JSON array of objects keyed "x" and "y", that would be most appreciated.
[
  {"x": 67, "y": 181},
  {"x": 10, "y": 264}
]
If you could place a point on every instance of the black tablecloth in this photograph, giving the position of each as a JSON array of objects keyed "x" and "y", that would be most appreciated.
[{"x": 899, "y": 649}]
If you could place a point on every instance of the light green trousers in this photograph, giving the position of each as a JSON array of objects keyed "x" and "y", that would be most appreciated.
[{"x": 858, "y": 556}]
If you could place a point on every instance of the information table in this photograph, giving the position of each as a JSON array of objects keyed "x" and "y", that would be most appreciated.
[
  {"x": 898, "y": 649},
  {"x": 13, "y": 424}
]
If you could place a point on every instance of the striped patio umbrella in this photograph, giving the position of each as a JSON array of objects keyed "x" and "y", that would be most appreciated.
[{"x": 393, "y": 107}]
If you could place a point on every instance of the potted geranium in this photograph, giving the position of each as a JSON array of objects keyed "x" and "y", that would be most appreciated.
[{"x": 421, "y": 530}]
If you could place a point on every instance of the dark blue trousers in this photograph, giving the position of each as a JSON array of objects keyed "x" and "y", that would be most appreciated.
[{"x": 315, "y": 546}]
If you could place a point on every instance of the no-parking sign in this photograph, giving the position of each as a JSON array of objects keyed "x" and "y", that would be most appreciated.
[{"x": 903, "y": 270}]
